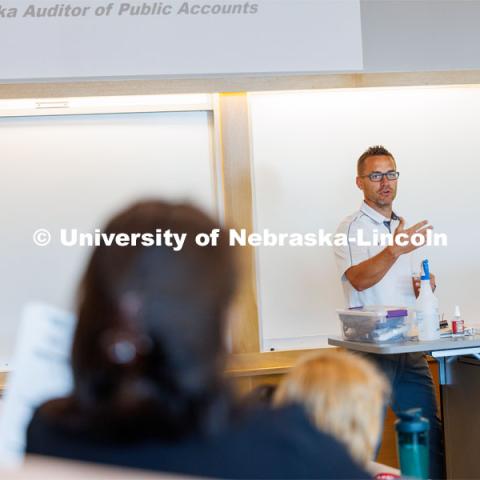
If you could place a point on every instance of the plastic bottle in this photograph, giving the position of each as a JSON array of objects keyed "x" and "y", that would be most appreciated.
[
  {"x": 458, "y": 325},
  {"x": 412, "y": 443},
  {"x": 428, "y": 318}
]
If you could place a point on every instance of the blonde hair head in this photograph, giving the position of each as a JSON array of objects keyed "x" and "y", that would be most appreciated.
[{"x": 344, "y": 396}]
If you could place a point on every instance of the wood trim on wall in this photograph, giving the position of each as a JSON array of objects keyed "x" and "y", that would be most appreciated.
[
  {"x": 3, "y": 382},
  {"x": 233, "y": 130},
  {"x": 265, "y": 363},
  {"x": 232, "y": 83}
]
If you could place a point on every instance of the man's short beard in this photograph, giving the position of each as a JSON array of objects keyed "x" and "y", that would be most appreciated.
[{"x": 382, "y": 203}]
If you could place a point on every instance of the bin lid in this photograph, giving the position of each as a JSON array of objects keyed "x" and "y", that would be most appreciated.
[{"x": 375, "y": 311}]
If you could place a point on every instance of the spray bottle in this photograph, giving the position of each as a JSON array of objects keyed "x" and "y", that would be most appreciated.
[{"x": 426, "y": 307}]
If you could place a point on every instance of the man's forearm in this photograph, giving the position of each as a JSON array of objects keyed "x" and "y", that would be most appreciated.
[{"x": 371, "y": 271}]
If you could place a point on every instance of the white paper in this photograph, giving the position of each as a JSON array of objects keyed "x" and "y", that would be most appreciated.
[{"x": 40, "y": 371}]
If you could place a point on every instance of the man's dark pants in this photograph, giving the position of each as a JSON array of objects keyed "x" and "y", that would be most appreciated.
[{"x": 412, "y": 387}]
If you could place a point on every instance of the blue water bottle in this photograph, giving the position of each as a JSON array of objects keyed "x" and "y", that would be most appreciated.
[{"x": 412, "y": 443}]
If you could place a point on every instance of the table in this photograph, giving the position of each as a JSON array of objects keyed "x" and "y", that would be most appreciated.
[{"x": 459, "y": 374}]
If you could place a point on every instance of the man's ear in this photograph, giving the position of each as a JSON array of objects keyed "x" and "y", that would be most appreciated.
[{"x": 359, "y": 183}]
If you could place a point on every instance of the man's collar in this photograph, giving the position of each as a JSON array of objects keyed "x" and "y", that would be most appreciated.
[{"x": 377, "y": 217}]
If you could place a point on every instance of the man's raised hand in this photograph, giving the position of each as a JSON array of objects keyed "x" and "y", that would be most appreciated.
[{"x": 403, "y": 236}]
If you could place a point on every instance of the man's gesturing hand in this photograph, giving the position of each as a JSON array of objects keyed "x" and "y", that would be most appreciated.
[
  {"x": 365, "y": 274},
  {"x": 402, "y": 236}
]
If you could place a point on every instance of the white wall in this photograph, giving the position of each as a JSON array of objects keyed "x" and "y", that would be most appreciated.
[
  {"x": 74, "y": 172},
  {"x": 305, "y": 146}
]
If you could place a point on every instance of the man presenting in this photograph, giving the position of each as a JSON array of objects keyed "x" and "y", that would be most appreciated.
[{"x": 379, "y": 275}]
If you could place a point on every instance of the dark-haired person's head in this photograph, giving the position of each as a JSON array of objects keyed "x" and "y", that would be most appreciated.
[
  {"x": 377, "y": 176},
  {"x": 148, "y": 352},
  {"x": 373, "y": 151}
]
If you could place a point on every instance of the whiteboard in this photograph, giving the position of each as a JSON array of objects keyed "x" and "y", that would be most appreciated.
[
  {"x": 305, "y": 147},
  {"x": 75, "y": 172}
]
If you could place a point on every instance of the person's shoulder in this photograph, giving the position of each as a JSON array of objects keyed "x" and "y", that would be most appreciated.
[
  {"x": 290, "y": 422},
  {"x": 300, "y": 449},
  {"x": 268, "y": 443},
  {"x": 49, "y": 431},
  {"x": 40, "y": 432},
  {"x": 349, "y": 222}
]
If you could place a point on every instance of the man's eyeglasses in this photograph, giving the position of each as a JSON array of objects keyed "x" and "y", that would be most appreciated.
[{"x": 378, "y": 176}]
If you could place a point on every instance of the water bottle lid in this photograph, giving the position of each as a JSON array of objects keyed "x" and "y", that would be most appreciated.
[{"x": 411, "y": 421}]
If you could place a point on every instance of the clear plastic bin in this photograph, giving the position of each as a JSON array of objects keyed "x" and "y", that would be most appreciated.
[{"x": 375, "y": 324}]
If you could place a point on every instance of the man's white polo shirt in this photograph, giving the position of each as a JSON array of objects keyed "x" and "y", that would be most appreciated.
[{"x": 395, "y": 288}]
